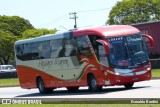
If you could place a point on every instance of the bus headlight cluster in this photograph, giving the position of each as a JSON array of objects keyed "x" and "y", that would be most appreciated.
[
  {"x": 148, "y": 69},
  {"x": 118, "y": 73}
]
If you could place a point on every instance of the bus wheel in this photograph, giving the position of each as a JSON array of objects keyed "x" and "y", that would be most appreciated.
[
  {"x": 92, "y": 82},
  {"x": 41, "y": 87},
  {"x": 129, "y": 85},
  {"x": 72, "y": 89}
]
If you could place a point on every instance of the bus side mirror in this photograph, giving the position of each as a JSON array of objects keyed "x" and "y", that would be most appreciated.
[
  {"x": 149, "y": 39},
  {"x": 105, "y": 44}
]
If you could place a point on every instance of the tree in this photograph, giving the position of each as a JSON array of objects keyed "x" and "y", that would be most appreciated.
[
  {"x": 15, "y": 24},
  {"x": 13, "y": 28},
  {"x": 31, "y": 33},
  {"x": 134, "y": 11},
  {"x": 6, "y": 47}
]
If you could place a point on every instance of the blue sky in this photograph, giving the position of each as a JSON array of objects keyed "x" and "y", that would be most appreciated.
[{"x": 52, "y": 14}]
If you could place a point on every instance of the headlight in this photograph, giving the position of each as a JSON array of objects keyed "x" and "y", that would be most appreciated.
[
  {"x": 118, "y": 73},
  {"x": 148, "y": 69}
]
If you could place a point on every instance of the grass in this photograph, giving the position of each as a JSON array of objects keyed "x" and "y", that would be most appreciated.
[
  {"x": 9, "y": 82},
  {"x": 84, "y": 105},
  {"x": 156, "y": 73}
]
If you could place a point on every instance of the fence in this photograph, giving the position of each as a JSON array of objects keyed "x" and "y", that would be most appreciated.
[
  {"x": 155, "y": 63},
  {"x": 5, "y": 75}
]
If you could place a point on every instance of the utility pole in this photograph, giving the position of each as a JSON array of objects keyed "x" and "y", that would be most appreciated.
[{"x": 73, "y": 16}]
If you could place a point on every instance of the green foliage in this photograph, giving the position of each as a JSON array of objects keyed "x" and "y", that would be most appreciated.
[
  {"x": 156, "y": 73},
  {"x": 80, "y": 104},
  {"x": 13, "y": 28},
  {"x": 6, "y": 46},
  {"x": 31, "y": 33},
  {"x": 14, "y": 24},
  {"x": 134, "y": 11},
  {"x": 10, "y": 28}
]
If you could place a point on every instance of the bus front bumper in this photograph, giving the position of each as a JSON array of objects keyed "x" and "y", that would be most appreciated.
[{"x": 132, "y": 77}]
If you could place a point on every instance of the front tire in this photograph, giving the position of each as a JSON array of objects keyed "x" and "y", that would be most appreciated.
[
  {"x": 41, "y": 87},
  {"x": 93, "y": 86},
  {"x": 129, "y": 85}
]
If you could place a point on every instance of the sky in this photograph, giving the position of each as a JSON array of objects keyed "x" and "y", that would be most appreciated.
[{"x": 52, "y": 14}]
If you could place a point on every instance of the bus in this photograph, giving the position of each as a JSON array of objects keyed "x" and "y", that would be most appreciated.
[{"x": 93, "y": 57}]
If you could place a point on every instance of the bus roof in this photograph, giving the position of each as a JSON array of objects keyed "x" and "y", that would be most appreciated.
[
  {"x": 107, "y": 31},
  {"x": 41, "y": 38}
]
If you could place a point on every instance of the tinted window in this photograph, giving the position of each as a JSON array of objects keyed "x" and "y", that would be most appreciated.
[
  {"x": 47, "y": 49},
  {"x": 19, "y": 51},
  {"x": 56, "y": 47},
  {"x": 34, "y": 50},
  {"x": 83, "y": 46},
  {"x": 69, "y": 48},
  {"x": 44, "y": 49}
]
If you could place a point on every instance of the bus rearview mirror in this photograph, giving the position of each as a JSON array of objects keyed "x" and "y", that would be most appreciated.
[{"x": 149, "y": 39}]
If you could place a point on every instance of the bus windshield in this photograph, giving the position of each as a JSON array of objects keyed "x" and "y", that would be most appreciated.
[{"x": 128, "y": 51}]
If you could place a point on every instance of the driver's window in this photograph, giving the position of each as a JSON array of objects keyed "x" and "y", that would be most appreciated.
[{"x": 103, "y": 59}]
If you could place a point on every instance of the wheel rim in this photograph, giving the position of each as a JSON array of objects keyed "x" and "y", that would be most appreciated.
[{"x": 93, "y": 83}]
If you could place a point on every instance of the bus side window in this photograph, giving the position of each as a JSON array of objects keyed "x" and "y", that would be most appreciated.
[
  {"x": 19, "y": 51},
  {"x": 32, "y": 51},
  {"x": 44, "y": 50},
  {"x": 56, "y": 47},
  {"x": 95, "y": 44},
  {"x": 83, "y": 47},
  {"x": 69, "y": 48}
]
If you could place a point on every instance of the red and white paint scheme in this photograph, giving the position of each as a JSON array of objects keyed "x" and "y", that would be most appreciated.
[{"x": 94, "y": 57}]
